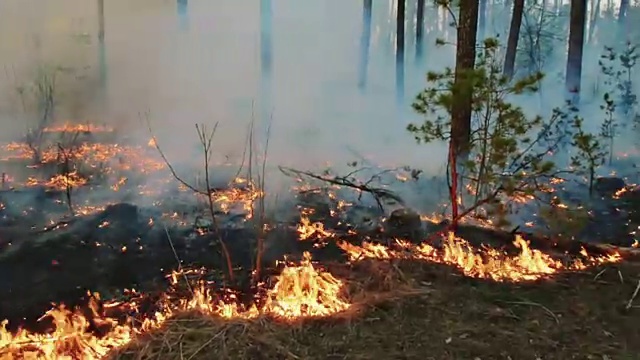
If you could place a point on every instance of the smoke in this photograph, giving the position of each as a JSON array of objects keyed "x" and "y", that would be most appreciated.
[{"x": 198, "y": 61}]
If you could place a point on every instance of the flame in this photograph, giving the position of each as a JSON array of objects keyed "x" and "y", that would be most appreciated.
[
  {"x": 69, "y": 127},
  {"x": 299, "y": 291},
  {"x": 72, "y": 180},
  {"x": 618, "y": 194},
  {"x": 306, "y": 229},
  {"x": 530, "y": 264}
]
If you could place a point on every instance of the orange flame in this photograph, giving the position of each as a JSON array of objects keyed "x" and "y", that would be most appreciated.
[
  {"x": 300, "y": 291},
  {"x": 529, "y": 264}
]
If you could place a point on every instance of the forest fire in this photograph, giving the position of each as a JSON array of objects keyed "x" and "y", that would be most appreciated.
[
  {"x": 529, "y": 264},
  {"x": 69, "y": 127},
  {"x": 300, "y": 291}
]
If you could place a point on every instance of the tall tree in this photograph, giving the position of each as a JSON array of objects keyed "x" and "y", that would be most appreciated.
[
  {"x": 576, "y": 46},
  {"x": 183, "y": 13},
  {"x": 482, "y": 19},
  {"x": 265, "y": 38},
  {"x": 102, "y": 51},
  {"x": 595, "y": 5},
  {"x": 266, "y": 60},
  {"x": 365, "y": 43},
  {"x": 624, "y": 7},
  {"x": 514, "y": 36},
  {"x": 420, "y": 30},
  {"x": 400, "y": 19},
  {"x": 461, "y": 111}
]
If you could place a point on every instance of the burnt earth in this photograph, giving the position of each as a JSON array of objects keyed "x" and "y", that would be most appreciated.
[{"x": 126, "y": 246}]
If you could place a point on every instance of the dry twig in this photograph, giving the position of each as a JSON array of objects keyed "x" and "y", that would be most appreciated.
[{"x": 633, "y": 297}]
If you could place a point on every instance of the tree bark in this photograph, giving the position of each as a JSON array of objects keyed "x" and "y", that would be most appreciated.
[
  {"x": 576, "y": 46},
  {"x": 514, "y": 36},
  {"x": 465, "y": 62},
  {"x": 365, "y": 43},
  {"x": 400, "y": 51},
  {"x": 420, "y": 30}
]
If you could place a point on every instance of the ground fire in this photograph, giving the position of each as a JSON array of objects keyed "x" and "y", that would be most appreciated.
[{"x": 293, "y": 290}]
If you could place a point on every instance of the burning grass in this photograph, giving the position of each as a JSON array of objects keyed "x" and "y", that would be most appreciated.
[
  {"x": 578, "y": 315},
  {"x": 298, "y": 292},
  {"x": 529, "y": 264},
  {"x": 391, "y": 289}
]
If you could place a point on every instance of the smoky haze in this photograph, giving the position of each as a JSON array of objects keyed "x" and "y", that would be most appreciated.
[{"x": 202, "y": 64}]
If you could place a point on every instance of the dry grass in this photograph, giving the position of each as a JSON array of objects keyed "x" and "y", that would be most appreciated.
[{"x": 426, "y": 311}]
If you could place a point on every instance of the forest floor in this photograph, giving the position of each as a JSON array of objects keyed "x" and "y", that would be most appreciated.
[{"x": 576, "y": 315}]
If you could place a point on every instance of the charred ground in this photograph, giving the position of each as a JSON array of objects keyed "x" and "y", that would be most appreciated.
[{"x": 99, "y": 224}]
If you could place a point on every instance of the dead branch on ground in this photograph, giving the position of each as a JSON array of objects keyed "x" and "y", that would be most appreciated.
[{"x": 380, "y": 195}]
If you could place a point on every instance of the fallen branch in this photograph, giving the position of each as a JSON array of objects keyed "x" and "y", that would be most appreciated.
[
  {"x": 633, "y": 297},
  {"x": 530, "y": 303},
  {"x": 379, "y": 194}
]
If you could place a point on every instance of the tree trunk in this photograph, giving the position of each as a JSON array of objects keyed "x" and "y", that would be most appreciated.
[
  {"x": 576, "y": 45},
  {"x": 624, "y": 6},
  {"x": 482, "y": 19},
  {"x": 465, "y": 62},
  {"x": 183, "y": 17},
  {"x": 102, "y": 52},
  {"x": 266, "y": 62},
  {"x": 420, "y": 30},
  {"x": 594, "y": 20},
  {"x": 365, "y": 43},
  {"x": 514, "y": 36},
  {"x": 265, "y": 38},
  {"x": 400, "y": 51}
]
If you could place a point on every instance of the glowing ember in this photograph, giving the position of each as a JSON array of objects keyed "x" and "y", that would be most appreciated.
[
  {"x": 300, "y": 291},
  {"x": 79, "y": 128}
]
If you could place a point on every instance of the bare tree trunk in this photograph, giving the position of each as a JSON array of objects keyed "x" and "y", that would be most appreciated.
[
  {"x": 624, "y": 7},
  {"x": 183, "y": 14},
  {"x": 266, "y": 60},
  {"x": 482, "y": 19},
  {"x": 576, "y": 45},
  {"x": 514, "y": 36},
  {"x": 465, "y": 63},
  {"x": 102, "y": 51},
  {"x": 400, "y": 51},
  {"x": 266, "y": 55},
  {"x": 594, "y": 19},
  {"x": 420, "y": 30},
  {"x": 365, "y": 43}
]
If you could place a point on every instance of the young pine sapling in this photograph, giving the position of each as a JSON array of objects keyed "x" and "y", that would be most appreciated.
[
  {"x": 509, "y": 150},
  {"x": 609, "y": 127},
  {"x": 618, "y": 69},
  {"x": 590, "y": 155}
]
